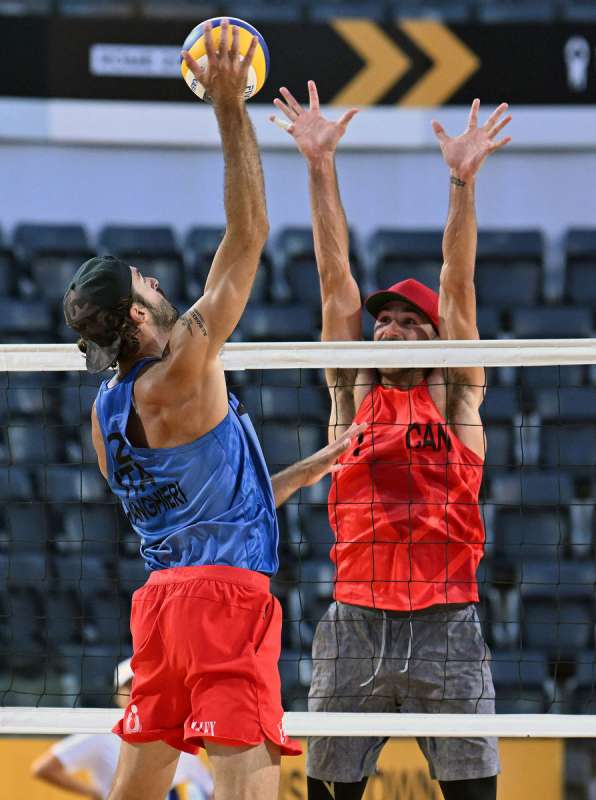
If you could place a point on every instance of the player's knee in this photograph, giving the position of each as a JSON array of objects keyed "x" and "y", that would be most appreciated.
[{"x": 326, "y": 790}]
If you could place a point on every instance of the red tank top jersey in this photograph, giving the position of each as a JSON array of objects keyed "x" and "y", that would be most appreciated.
[{"x": 404, "y": 509}]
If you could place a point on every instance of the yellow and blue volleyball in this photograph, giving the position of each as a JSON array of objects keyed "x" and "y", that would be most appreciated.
[{"x": 194, "y": 44}]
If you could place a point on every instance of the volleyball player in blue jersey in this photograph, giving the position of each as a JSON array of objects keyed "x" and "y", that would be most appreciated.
[{"x": 183, "y": 458}]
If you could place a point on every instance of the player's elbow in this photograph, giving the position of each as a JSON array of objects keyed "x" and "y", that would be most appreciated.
[{"x": 42, "y": 767}]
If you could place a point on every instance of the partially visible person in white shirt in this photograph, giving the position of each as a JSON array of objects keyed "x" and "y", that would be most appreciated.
[{"x": 97, "y": 753}]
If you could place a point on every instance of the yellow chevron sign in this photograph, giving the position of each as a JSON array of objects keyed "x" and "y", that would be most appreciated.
[{"x": 385, "y": 63}]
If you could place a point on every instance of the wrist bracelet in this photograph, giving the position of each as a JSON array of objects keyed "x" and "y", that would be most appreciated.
[{"x": 457, "y": 181}]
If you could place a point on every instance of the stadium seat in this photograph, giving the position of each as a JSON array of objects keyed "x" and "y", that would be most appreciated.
[
  {"x": 97, "y": 8},
  {"x": 332, "y": 9},
  {"x": 580, "y": 266},
  {"x": 557, "y": 626},
  {"x": 558, "y": 578},
  {"x": 401, "y": 254},
  {"x": 571, "y": 404},
  {"x": 131, "y": 574},
  {"x": 30, "y": 394},
  {"x": 22, "y": 645},
  {"x": 93, "y": 668},
  {"x": 77, "y": 397},
  {"x": 200, "y": 246},
  {"x": 284, "y": 445},
  {"x": 30, "y": 569},
  {"x": 152, "y": 250},
  {"x": 495, "y": 11},
  {"x": 24, "y": 7},
  {"x": 28, "y": 527},
  {"x": 579, "y": 11},
  {"x": 90, "y": 528},
  {"x": 523, "y": 534},
  {"x": 31, "y": 442},
  {"x": 25, "y": 320},
  {"x": 265, "y": 10},
  {"x": 552, "y": 322},
  {"x": 509, "y": 267},
  {"x": 83, "y": 573},
  {"x": 571, "y": 446},
  {"x": 448, "y": 10},
  {"x": 283, "y": 402},
  {"x": 499, "y": 452},
  {"x": 501, "y": 404},
  {"x": 585, "y": 683},
  {"x": 16, "y": 483},
  {"x": 519, "y": 677},
  {"x": 107, "y": 620},
  {"x": 570, "y": 375},
  {"x": 488, "y": 322},
  {"x": 532, "y": 488},
  {"x": 8, "y": 271},
  {"x": 290, "y": 323},
  {"x": 71, "y": 484},
  {"x": 61, "y": 618},
  {"x": 193, "y": 9}
]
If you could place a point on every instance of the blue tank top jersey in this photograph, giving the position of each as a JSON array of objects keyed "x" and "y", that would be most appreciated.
[{"x": 204, "y": 503}]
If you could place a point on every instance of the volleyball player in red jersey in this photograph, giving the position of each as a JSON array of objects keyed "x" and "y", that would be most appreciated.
[{"x": 403, "y": 633}]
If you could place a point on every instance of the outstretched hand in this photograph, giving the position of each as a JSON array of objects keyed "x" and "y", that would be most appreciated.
[
  {"x": 225, "y": 77},
  {"x": 314, "y": 135},
  {"x": 323, "y": 461},
  {"x": 465, "y": 154}
]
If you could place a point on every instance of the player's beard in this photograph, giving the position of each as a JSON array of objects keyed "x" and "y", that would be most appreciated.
[{"x": 163, "y": 314}]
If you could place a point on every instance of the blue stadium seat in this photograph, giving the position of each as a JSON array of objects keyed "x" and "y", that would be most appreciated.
[
  {"x": 90, "y": 528},
  {"x": 501, "y": 404},
  {"x": 572, "y": 446},
  {"x": 200, "y": 246},
  {"x": 448, "y": 10},
  {"x": 488, "y": 322},
  {"x": 30, "y": 569},
  {"x": 16, "y": 483},
  {"x": 495, "y": 11},
  {"x": 97, "y": 8},
  {"x": 193, "y": 9},
  {"x": 557, "y": 626},
  {"x": 585, "y": 683},
  {"x": 28, "y": 527},
  {"x": 26, "y": 7},
  {"x": 283, "y": 402},
  {"x": 315, "y": 530},
  {"x": 552, "y": 322},
  {"x": 401, "y": 254},
  {"x": 23, "y": 649},
  {"x": 107, "y": 620},
  {"x": 29, "y": 442},
  {"x": 290, "y": 323},
  {"x": 499, "y": 450},
  {"x": 523, "y": 534},
  {"x": 265, "y": 10},
  {"x": 131, "y": 574},
  {"x": 572, "y": 404},
  {"x": 61, "y": 618},
  {"x": 580, "y": 267},
  {"x": 77, "y": 397},
  {"x": 152, "y": 250},
  {"x": 283, "y": 444},
  {"x": 25, "y": 320},
  {"x": 71, "y": 484},
  {"x": 569, "y": 375},
  {"x": 579, "y": 11},
  {"x": 532, "y": 487},
  {"x": 83, "y": 573},
  {"x": 509, "y": 267},
  {"x": 93, "y": 668},
  {"x": 333, "y": 9},
  {"x": 558, "y": 578},
  {"x": 30, "y": 394},
  {"x": 519, "y": 677},
  {"x": 8, "y": 271}
]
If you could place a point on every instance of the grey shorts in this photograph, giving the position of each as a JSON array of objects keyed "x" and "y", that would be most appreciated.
[{"x": 432, "y": 661}]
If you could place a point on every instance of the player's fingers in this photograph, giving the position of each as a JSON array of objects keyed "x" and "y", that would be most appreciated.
[
  {"x": 209, "y": 46},
  {"x": 250, "y": 54},
  {"x": 492, "y": 120},
  {"x": 473, "y": 118},
  {"x": 498, "y": 128},
  {"x": 279, "y": 104},
  {"x": 346, "y": 118},
  {"x": 281, "y": 123},
  {"x": 313, "y": 96},
  {"x": 499, "y": 145},
  {"x": 191, "y": 64},
  {"x": 235, "y": 48},
  {"x": 224, "y": 52},
  {"x": 291, "y": 100},
  {"x": 439, "y": 131}
]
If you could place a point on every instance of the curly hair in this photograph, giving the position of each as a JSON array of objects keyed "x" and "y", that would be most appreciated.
[{"x": 104, "y": 326}]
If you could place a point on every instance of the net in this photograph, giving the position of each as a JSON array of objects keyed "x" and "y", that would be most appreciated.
[{"x": 69, "y": 561}]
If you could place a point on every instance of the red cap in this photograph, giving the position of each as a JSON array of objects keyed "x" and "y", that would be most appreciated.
[{"x": 416, "y": 293}]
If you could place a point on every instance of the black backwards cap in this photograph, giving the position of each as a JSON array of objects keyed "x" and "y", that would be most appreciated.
[{"x": 100, "y": 284}]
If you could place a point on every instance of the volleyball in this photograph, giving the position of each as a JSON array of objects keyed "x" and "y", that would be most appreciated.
[{"x": 194, "y": 44}]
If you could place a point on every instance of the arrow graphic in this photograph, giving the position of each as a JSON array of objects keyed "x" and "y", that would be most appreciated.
[
  {"x": 454, "y": 63},
  {"x": 384, "y": 65}
]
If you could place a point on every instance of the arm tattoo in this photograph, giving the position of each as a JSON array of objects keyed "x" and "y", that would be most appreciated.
[
  {"x": 457, "y": 181},
  {"x": 194, "y": 317}
]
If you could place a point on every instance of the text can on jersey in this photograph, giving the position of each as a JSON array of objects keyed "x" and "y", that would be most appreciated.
[{"x": 194, "y": 44}]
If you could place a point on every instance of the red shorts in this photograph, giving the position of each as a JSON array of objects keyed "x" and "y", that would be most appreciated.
[{"x": 206, "y": 643}]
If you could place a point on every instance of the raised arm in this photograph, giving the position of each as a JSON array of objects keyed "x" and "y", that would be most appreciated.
[
  {"x": 317, "y": 139},
  {"x": 210, "y": 321},
  {"x": 464, "y": 156}
]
